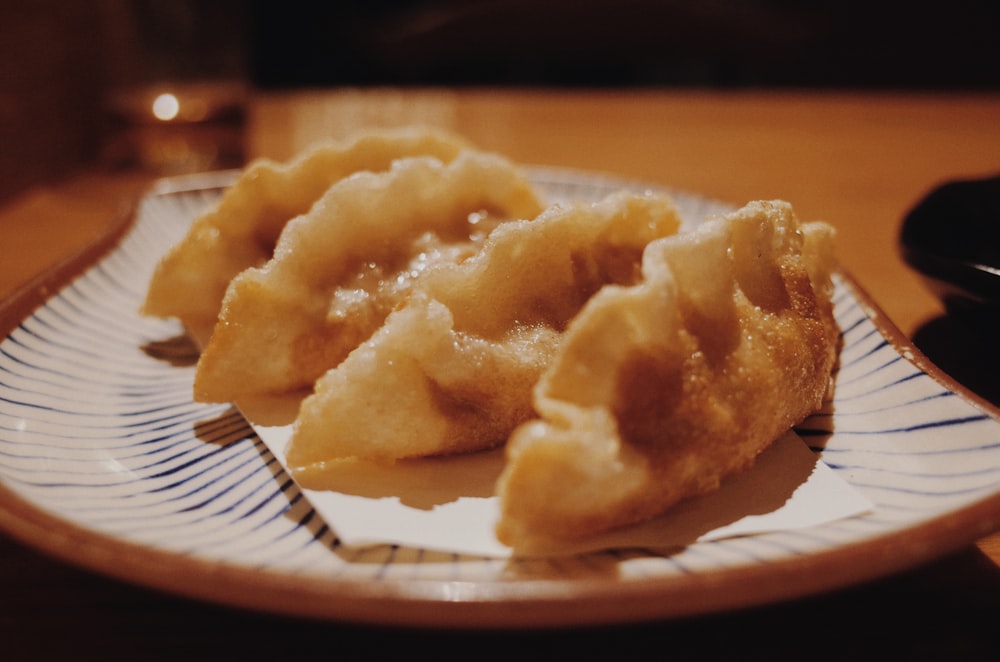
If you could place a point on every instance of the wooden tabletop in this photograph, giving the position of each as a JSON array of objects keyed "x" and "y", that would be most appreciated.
[{"x": 857, "y": 160}]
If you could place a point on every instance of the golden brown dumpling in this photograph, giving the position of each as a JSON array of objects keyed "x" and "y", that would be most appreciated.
[
  {"x": 663, "y": 388},
  {"x": 453, "y": 369},
  {"x": 242, "y": 229},
  {"x": 340, "y": 268}
]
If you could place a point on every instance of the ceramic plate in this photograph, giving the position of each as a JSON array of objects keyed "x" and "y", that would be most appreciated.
[{"x": 105, "y": 461}]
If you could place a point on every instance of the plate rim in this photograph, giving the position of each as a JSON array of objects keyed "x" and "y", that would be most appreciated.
[{"x": 490, "y": 604}]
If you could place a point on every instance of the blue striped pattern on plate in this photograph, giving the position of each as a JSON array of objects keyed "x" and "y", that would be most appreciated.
[{"x": 98, "y": 429}]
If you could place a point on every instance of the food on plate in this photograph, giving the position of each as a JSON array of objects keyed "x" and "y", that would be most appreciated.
[
  {"x": 339, "y": 269},
  {"x": 242, "y": 229},
  {"x": 453, "y": 367},
  {"x": 415, "y": 297},
  {"x": 662, "y": 388}
]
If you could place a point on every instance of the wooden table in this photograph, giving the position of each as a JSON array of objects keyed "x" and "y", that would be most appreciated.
[{"x": 859, "y": 161}]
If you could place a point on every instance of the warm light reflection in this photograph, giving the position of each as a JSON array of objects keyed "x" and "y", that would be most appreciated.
[{"x": 165, "y": 107}]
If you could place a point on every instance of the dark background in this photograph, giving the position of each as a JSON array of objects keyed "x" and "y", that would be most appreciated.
[
  {"x": 60, "y": 58},
  {"x": 730, "y": 43}
]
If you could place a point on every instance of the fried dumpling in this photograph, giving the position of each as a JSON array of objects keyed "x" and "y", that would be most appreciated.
[
  {"x": 243, "y": 228},
  {"x": 663, "y": 388},
  {"x": 453, "y": 368},
  {"x": 339, "y": 269}
]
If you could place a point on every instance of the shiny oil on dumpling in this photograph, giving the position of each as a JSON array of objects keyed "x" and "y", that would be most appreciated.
[
  {"x": 453, "y": 368},
  {"x": 242, "y": 229},
  {"x": 664, "y": 387},
  {"x": 339, "y": 269}
]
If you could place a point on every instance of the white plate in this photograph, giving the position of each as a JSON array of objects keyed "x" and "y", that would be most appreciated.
[{"x": 107, "y": 462}]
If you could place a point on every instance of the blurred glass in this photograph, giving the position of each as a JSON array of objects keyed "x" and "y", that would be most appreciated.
[{"x": 177, "y": 84}]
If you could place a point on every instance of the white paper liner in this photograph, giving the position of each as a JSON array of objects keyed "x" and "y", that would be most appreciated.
[{"x": 447, "y": 504}]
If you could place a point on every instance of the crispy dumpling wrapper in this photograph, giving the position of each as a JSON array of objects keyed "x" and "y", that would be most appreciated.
[
  {"x": 453, "y": 368},
  {"x": 663, "y": 388},
  {"x": 339, "y": 269},
  {"x": 404, "y": 295},
  {"x": 243, "y": 228}
]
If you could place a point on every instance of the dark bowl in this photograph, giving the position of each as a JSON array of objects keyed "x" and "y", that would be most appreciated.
[{"x": 952, "y": 239}]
